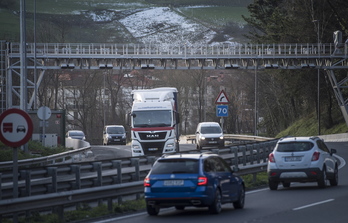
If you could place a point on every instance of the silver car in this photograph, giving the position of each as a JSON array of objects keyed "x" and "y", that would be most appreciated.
[{"x": 302, "y": 159}]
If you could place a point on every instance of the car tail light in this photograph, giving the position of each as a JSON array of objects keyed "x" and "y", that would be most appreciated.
[
  {"x": 147, "y": 182},
  {"x": 202, "y": 181},
  {"x": 271, "y": 158},
  {"x": 315, "y": 156}
]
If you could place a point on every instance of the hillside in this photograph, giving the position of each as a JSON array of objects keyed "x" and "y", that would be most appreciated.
[{"x": 123, "y": 21}]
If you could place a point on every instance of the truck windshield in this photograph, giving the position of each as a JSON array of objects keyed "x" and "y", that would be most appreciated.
[{"x": 160, "y": 118}]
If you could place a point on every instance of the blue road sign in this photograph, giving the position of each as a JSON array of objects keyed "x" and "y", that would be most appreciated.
[{"x": 222, "y": 110}]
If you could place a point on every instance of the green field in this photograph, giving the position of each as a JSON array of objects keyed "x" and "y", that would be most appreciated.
[
  {"x": 61, "y": 20},
  {"x": 217, "y": 16}
]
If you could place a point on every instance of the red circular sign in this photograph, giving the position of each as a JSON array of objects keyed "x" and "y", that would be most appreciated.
[{"x": 16, "y": 127}]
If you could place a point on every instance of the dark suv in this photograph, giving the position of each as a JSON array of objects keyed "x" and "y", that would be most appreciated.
[{"x": 199, "y": 180}]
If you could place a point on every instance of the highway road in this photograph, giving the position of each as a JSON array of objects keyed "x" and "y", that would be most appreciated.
[
  {"x": 120, "y": 151},
  {"x": 299, "y": 203}
]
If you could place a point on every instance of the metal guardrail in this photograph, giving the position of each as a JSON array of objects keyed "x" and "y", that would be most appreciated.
[
  {"x": 63, "y": 177},
  {"x": 231, "y": 138},
  {"x": 49, "y": 160},
  {"x": 291, "y": 49},
  {"x": 108, "y": 193},
  {"x": 61, "y": 199}
]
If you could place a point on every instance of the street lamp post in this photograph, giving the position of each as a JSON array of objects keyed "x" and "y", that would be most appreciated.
[{"x": 318, "y": 76}]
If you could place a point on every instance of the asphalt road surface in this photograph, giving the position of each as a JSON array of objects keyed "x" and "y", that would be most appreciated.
[{"x": 302, "y": 202}]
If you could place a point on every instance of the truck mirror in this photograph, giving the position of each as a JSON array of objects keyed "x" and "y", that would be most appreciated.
[
  {"x": 128, "y": 119},
  {"x": 177, "y": 117}
]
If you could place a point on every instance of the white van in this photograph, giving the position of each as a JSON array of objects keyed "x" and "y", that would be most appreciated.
[
  {"x": 209, "y": 134},
  {"x": 114, "y": 134}
]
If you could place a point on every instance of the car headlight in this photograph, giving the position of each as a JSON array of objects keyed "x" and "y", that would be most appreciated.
[
  {"x": 202, "y": 137},
  {"x": 221, "y": 137}
]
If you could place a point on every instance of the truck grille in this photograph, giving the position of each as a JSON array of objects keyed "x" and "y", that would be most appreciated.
[
  {"x": 152, "y": 147},
  {"x": 153, "y": 136}
]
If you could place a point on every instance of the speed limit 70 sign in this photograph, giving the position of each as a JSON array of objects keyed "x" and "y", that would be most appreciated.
[{"x": 222, "y": 110}]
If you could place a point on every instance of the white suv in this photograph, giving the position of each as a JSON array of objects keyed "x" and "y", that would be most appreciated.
[{"x": 302, "y": 159}]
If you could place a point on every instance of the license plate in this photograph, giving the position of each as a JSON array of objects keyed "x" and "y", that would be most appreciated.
[
  {"x": 212, "y": 142},
  {"x": 293, "y": 158},
  {"x": 116, "y": 140},
  {"x": 153, "y": 149},
  {"x": 173, "y": 182}
]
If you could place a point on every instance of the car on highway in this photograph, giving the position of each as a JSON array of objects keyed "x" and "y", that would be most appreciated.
[
  {"x": 302, "y": 159},
  {"x": 114, "y": 134},
  {"x": 209, "y": 134},
  {"x": 198, "y": 180},
  {"x": 75, "y": 134}
]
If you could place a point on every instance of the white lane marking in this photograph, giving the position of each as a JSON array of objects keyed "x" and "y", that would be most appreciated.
[
  {"x": 314, "y": 204},
  {"x": 342, "y": 161},
  {"x": 256, "y": 191}
]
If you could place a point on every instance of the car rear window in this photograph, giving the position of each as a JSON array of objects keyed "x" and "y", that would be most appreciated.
[
  {"x": 294, "y": 146},
  {"x": 169, "y": 166}
]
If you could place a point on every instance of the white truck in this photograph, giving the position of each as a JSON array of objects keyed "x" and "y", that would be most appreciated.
[{"x": 154, "y": 121}]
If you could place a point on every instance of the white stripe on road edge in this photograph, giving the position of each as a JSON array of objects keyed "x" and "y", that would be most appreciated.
[
  {"x": 342, "y": 161},
  {"x": 314, "y": 204}
]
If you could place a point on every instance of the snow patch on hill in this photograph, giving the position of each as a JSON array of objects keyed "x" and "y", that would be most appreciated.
[{"x": 162, "y": 25}]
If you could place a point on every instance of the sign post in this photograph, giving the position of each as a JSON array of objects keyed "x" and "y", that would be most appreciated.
[
  {"x": 222, "y": 106},
  {"x": 16, "y": 128},
  {"x": 44, "y": 113}
]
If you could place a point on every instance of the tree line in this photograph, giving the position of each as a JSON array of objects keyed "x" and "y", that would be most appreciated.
[{"x": 286, "y": 96}]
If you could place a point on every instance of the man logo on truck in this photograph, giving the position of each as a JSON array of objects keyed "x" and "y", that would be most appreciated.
[{"x": 152, "y": 136}]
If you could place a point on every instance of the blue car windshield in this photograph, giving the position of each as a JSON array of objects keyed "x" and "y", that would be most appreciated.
[{"x": 172, "y": 166}]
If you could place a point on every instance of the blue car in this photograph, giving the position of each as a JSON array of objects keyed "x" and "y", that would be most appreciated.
[{"x": 198, "y": 180}]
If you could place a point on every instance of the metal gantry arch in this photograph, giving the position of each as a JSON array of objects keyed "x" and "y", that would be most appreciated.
[{"x": 92, "y": 56}]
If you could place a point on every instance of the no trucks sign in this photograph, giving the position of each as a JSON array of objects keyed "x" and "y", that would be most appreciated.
[{"x": 16, "y": 127}]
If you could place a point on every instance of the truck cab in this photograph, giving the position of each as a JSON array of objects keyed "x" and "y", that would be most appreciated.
[{"x": 154, "y": 122}]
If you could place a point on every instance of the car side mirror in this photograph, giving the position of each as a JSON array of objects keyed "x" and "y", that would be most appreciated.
[
  {"x": 234, "y": 169},
  {"x": 333, "y": 151}
]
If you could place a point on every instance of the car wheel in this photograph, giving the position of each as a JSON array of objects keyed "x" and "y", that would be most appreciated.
[
  {"x": 180, "y": 207},
  {"x": 334, "y": 180},
  {"x": 152, "y": 209},
  {"x": 286, "y": 184},
  {"x": 239, "y": 204},
  {"x": 273, "y": 185},
  {"x": 215, "y": 207},
  {"x": 322, "y": 182}
]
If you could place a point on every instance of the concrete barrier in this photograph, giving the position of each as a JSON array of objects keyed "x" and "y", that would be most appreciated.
[{"x": 342, "y": 137}]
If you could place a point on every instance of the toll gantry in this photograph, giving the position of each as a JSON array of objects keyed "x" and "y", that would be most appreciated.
[{"x": 91, "y": 56}]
